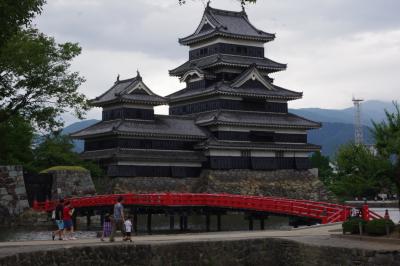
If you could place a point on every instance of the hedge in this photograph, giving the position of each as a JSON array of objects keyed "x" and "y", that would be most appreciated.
[
  {"x": 352, "y": 225},
  {"x": 378, "y": 227}
]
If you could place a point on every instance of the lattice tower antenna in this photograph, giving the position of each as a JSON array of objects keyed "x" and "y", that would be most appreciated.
[{"x": 358, "y": 133}]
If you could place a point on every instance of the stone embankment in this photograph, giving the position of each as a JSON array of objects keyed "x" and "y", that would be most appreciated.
[
  {"x": 281, "y": 183},
  {"x": 71, "y": 181},
  {"x": 66, "y": 181},
  {"x": 13, "y": 197},
  {"x": 266, "y": 251}
]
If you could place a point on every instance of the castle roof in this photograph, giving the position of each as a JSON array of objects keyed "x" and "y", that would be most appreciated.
[
  {"x": 162, "y": 126},
  {"x": 223, "y": 23},
  {"x": 131, "y": 90},
  {"x": 212, "y": 142},
  {"x": 262, "y": 63},
  {"x": 222, "y": 88},
  {"x": 255, "y": 119},
  {"x": 142, "y": 155}
]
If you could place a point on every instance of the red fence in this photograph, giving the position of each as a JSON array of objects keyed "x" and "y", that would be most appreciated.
[{"x": 323, "y": 211}]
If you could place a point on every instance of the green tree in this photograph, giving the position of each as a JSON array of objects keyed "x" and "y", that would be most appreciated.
[
  {"x": 16, "y": 135},
  {"x": 16, "y": 14},
  {"x": 57, "y": 150},
  {"x": 360, "y": 173},
  {"x": 387, "y": 138},
  {"x": 324, "y": 169},
  {"x": 35, "y": 78}
]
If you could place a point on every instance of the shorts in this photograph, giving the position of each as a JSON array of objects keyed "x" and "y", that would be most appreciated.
[
  {"x": 67, "y": 224},
  {"x": 128, "y": 234},
  {"x": 60, "y": 224}
]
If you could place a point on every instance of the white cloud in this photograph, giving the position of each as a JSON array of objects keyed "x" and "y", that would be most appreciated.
[
  {"x": 334, "y": 48},
  {"x": 365, "y": 65}
]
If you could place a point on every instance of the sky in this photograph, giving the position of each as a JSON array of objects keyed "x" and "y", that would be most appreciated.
[{"x": 335, "y": 49}]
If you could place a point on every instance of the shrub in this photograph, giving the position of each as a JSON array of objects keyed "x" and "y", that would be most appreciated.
[
  {"x": 378, "y": 227},
  {"x": 352, "y": 225}
]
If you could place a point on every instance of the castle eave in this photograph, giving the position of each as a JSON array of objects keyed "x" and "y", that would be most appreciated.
[
  {"x": 235, "y": 145},
  {"x": 144, "y": 155},
  {"x": 193, "y": 39}
]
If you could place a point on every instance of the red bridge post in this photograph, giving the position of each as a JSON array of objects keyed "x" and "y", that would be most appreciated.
[
  {"x": 47, "y": 204},
  {"x": 365, "y": 212},
  {"x": 35, "y": 205},
  {"x": 324, "y": 217}
]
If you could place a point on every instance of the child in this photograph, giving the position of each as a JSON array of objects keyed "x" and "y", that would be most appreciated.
[
  {"x": 128, "y": 229},
  {"x": 106, "y": 227}
]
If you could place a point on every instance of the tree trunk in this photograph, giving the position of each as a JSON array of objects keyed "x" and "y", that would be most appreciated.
[{"x": 397, "y": 182}]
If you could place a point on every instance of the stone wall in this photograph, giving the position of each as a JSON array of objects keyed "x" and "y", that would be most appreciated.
[
  {"x": 71, "y": 183},
  {"x": 153, "y": 184},
  {"x": 270, "y": 251},
  {"x": 13, "y": 197},
  {"x": 282, "y": 183}
]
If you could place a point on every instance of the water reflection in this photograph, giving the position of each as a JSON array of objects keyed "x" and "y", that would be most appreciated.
[
  {"x": 160, "y": 224},
  {"x": 394, "y": 213}
]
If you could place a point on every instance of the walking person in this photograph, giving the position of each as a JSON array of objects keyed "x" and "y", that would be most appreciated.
[
  {"x": 68, "y": 211},
  {"x": 58, "y": 216},
  {"x": 107, "y": 226},
  {"x": 118, "y": 219}
]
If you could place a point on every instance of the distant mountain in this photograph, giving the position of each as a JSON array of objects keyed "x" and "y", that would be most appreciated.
[
  {"x": 76, "y": 127},
  {"x": 79, "y": 125},
  {"x": 370, "y": 110},
  {"x": 337, "y": 125},
  {"x": 332, "y": 135}
]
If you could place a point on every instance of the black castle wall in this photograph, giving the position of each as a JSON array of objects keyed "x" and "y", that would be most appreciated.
[
  {"x": 246, "y": 105},
  {"x": 128, "y": 113},
  {"x": 225, "y": 48}
]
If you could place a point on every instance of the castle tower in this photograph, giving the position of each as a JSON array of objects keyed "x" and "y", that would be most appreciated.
[
  {"x": 132, "y": 141},
  {"x": 230, "y": 115},
  {"x": 229, "y": 92}
]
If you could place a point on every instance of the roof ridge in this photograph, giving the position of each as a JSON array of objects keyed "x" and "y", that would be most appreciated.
[
  {"x": 125, "y": 80},
  {"x": 76, "y": 132},
  {"x": 309, "y": 120},
  {"x": 118, "y": 81},
  {"x": 281, "y": 88},
  {"x": 98, "y": 97},
  {"x": 225, "y": 12},
  {"x": 124, "y": 91},
  {"x": 221, "y": 21}
]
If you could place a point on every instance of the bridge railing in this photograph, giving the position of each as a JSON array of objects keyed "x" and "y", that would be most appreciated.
[{"x": 326, "y": 212}]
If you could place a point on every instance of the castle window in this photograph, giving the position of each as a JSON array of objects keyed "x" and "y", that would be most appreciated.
[{"x": 245, "y": 153}]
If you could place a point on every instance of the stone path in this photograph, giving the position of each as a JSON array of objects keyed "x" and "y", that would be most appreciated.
[{"x": 317, "y": 235}]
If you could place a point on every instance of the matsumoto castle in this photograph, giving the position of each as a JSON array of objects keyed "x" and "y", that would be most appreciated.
[{"x": 230, "y": 115}]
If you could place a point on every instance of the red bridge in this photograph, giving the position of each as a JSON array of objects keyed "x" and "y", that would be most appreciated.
[{"x": 321, "y": 212}]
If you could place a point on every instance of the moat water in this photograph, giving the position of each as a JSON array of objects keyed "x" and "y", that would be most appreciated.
[{"x": 160, "y": 225}]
